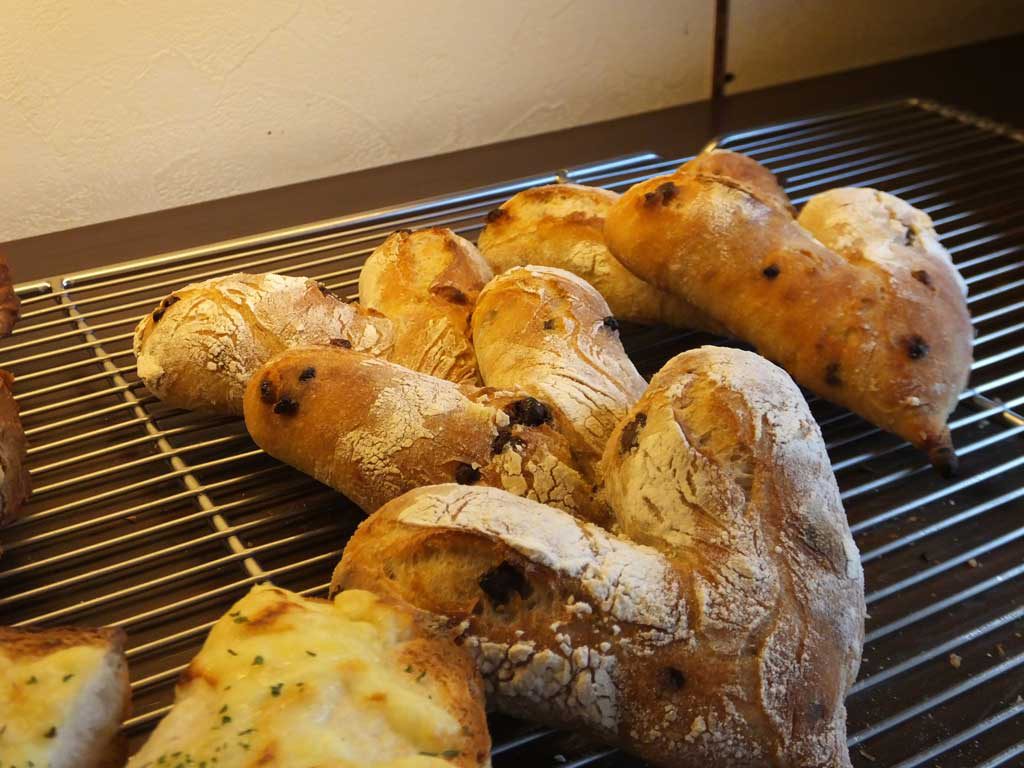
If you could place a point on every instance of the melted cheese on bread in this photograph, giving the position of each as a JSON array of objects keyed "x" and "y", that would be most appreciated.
[
  {"x": 63, "y": 694},
  {"x": 287, "y": 681}
]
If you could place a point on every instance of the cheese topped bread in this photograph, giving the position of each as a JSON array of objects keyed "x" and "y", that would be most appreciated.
[
  {"x": 284, "y": 680},
  {"x": 63, "y": 696}
]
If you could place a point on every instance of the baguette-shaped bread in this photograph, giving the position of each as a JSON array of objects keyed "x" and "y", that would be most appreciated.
[
  {"x": 562, "y": 225},
  {"x": 729, "y": 641},
  {"x": 374, "y": 430},
  {"x": 878, "y": 341},
  {"x": 63, "y": 696},
  {"x": 288, "y": 682},
  {"x": 199, "y": 347},
  {"x": 427, "y": 282},
  {"x": 744, "y": 170},
  {"x": 552, "y": 335},
  {"x": 15, "y": 483}
]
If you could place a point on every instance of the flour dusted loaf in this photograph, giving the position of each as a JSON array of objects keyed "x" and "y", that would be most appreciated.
[
  {"x": 199, "y": 347},
  {"x": 374, "y": 430},
  {"x": 550, "y": 334},
  {"x": 722, "y": 627},
  {"x": 427, "y": 282},
  {"x": 15, "y": 483},
  {"x": 562, "y": 225},
  {"x": 63, "y": 696},
  {"x": 285, "y": 682},
  {"x": 847, "y": 325}
]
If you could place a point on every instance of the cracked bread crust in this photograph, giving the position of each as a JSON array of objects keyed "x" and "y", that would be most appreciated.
[
  {"x": 549, "y": 333},
  {"x": 199, "y": 347},
  {"x": 374, "y": 430},
  {"x": 427, "y": 283},
  {"x": 720, "y": 626},
  {"x": 568, "y": 624},
  {"x": 721, "y": 466}
]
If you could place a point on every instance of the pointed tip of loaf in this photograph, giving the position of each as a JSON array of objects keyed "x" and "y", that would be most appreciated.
[{"x": 942, "y": 455}]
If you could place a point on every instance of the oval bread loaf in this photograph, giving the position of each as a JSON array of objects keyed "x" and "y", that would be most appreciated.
[
  {"x": 883, "y": 344},
  {"x": 562, "y": 225},
  {"x": 550, "y": 334},
  {"x": 374, "y": 430},
  {"x": 727, "y": 636},
  {"x": 199, "y": 347},
  {"x": 427, "y": 282}
]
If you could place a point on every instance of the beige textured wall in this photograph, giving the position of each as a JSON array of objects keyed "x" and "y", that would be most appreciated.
[
  {"x": 110, "y": 108},
  {"x": 776, "y": 41}
]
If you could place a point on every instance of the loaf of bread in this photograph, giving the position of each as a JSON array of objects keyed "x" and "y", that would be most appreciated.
[
  {"x": 427, "y": 282},
  {"x": 374, "y": 430},
  {"x": 562, "y": 225},
  {"x": 63, "y": 696},
  {"x": 15, "y": 483},
  {"x": 10, "y": 304},
  {"x": 551, "y": 334},
  {"x": 288, "y": 681},
  {"x": 850, "y": 327},
  {"x": 721, "y": 628},
  {"x": 199, "y": 347},
  {"x": 744, "y": 170}
]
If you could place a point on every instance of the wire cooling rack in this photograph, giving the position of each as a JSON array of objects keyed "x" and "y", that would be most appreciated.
[{"x": 156, "y": 520}]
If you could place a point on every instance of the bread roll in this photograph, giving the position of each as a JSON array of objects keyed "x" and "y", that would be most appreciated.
[
  {"x": 427, "y": 282},
  {"x": 199, "y": 347},
  {"x": 723, "y": 626},
  {"x": 551, "y": 334},
  {"x": 293, "y": 682},
  {"x": 742, "y": 169},
  {"x": 10, "y": 304},
  {"x": 374, "y": 430},
  {"x": 853, "y": 330},
  {"x": 63, "y": 696},
  {"x": 562, "y": 225},
  {"x": 15, "y": 483}
]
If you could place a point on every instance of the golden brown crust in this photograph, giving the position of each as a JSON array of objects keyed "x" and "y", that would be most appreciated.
[
  {"x": 561, "y": 225},
  {"x": 10, "y": 304},
  {"x": 15, "y": 483},
  {"x": 886, "y": 348},
  {"x": 34, "y": 643},
  {"x": 373, "y": 430},
  {"x": 90, "y": 734},
  {"x": 549, "y": 333},
  {"x": 757, "y": 179},
  {"x": 427, "y": 282}
]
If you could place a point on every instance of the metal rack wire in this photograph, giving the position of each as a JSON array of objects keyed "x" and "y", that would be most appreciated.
[{"x": 156, "y": 520}]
